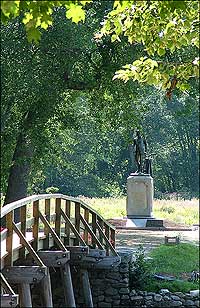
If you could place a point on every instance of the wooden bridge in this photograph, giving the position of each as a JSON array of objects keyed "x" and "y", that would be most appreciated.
[{"x": 54, "y": 231}]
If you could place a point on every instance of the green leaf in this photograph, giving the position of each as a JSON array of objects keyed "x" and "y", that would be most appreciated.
[
  {"x": 76, "y": 13},
  {"x": 184, "y": 40},
  {"x": 184, "y": 86},
  {"x": 161, "y": 51},
  {"x": 33, "y": 35},
  {"x": 113, "y": 37},
  {"x": 118, "y": 26},
  {"x": 10, "y": 7},
  {"x": 27, "y": 18},
  {"x": 169, "y": 25},
  {"x": 44, "y": 25}
]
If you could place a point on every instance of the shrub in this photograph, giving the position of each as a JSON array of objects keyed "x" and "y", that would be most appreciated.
[
  {"x": 139, "y": 273},
  {"x": 52, "y": 190}
]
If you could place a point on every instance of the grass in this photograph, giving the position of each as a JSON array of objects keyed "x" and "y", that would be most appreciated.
[
  {"x": 173, "y": 286},
  {"x": 177, "y": 260},
  {"x": 183, "y": 258},
  {"x": 107, "y": 207},
  {"x": 179, "y": 211}
]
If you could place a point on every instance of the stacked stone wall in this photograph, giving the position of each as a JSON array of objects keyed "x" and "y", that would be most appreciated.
[{"x": 111, "y": 289}]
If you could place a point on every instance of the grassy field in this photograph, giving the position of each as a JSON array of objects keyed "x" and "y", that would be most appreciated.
[
  {"x": 179, "y": 211},
  {"x": 184, "y": 258}
]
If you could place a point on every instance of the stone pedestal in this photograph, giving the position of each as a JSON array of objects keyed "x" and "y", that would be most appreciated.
[
  {"x": 140, "y": 202},
  {"x": 139, "y": 196}
]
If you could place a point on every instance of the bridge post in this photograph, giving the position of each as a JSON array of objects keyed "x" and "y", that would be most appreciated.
[
  {"x": 25, "y": 298},
  {"x": 86, "y": 288},
  {"x": 46, "y": 290},
  {"x": 67, "y": 286}
]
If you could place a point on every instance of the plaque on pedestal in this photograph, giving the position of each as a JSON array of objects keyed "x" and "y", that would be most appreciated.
[
  {"x": 140, "y": 201},
  {"x": 139, "y": 195}
]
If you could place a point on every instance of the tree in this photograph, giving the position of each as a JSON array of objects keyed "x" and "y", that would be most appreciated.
[
  {"x": 37, "y": 15},
  {"x": 172, "y": 132},
  {"x": 64, "y": 84},
  {"x": 38, "y": 79},
  {"x": 93, "y": 159},
  {"x": 163, "y": 28}
]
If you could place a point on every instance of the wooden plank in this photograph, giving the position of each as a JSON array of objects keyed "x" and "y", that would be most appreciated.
[
  {"x": 47, "y": 215},
  {"x": 46, "y": 290},
  {"x": 96, "y": 253},
  {"x": 24, "y": 274},
  {"x": 172, "y": 240},
  {"x": 27, "y": 245},
  {"x": 77, "y": 253},
  {"x": 107, "y": 233},
  {"x": 54, "y": 258},
  {"x": 94, "y": 220},
  {"x": 5, "y": 285},
  {"x": 78, "y": 249},
  {"x": 95, "y": 239},
  {"x": 9, "y": 239},
  {"x": 106, "y": 263},
  {"x": 67, "y": 228},
  {"x": 77, "y": 235},
  {"x": 36, "y": 224},
  {"x": 87, "y": 294},
  {"x": 25, "y": 299},
  {"x": 67, "y": 286},
  {"x": 101, "y": 224},
  {"x": 54, "y": 235},
  {"x": 23, "y": 230},
  {"x": 106, "y": 240},
  {"x": 86, "y": 217},
  {"x": 58, "y": 216},
  {"x": 9, "y": 300},
  {"x": 112, "y": 237},
  {"x": 77, "y": 220}
]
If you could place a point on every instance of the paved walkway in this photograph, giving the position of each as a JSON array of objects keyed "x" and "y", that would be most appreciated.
[{"x": 132, "y": 239}]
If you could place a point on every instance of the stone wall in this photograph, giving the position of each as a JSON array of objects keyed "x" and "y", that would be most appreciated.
[{"x": 111, "y": 289}]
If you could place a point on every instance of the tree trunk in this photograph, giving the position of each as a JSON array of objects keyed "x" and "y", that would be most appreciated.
[{"x": 19, "y": 172}]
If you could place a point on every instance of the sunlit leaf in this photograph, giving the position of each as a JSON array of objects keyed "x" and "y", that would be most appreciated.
[{"x": 76, "y": 13}]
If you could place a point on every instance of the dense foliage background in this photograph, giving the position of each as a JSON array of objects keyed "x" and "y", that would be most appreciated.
[{"x": 67, "y": 124}]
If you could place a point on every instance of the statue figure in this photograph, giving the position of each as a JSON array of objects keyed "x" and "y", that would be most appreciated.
[
  {"x": 148, "y": 166},
  {"x": 139, "y": 150}
]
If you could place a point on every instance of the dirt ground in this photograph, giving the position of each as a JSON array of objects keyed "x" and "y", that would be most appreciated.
[{"x": 132, "y": 239}]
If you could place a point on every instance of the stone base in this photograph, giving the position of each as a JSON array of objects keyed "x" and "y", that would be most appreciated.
[
  {"x": 143, "y": 222},
  {"x": 139, "y": 195}
]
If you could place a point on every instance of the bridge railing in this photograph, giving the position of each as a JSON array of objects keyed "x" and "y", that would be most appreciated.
[{"x": 58, "y": 220}]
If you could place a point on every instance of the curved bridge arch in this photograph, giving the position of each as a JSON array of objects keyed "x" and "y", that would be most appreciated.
[{"x": 52, "y": 226}]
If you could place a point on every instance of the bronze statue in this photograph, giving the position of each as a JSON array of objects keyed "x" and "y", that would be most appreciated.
[
  {"x": 139, "y": 150},
  {"x": 148, "y": 166}
]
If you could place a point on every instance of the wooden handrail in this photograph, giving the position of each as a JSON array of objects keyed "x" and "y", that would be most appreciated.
[
  {"x": 87, "y": 225},
  {"x": 28, "y": 246},
  {"x": 73, "y": 228},
  {"x": 91, "y": 232},
  {"x": 53, "y": 233},
  {"x": 106, "y": 240},
  {"x": 17, "y": 204}
]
